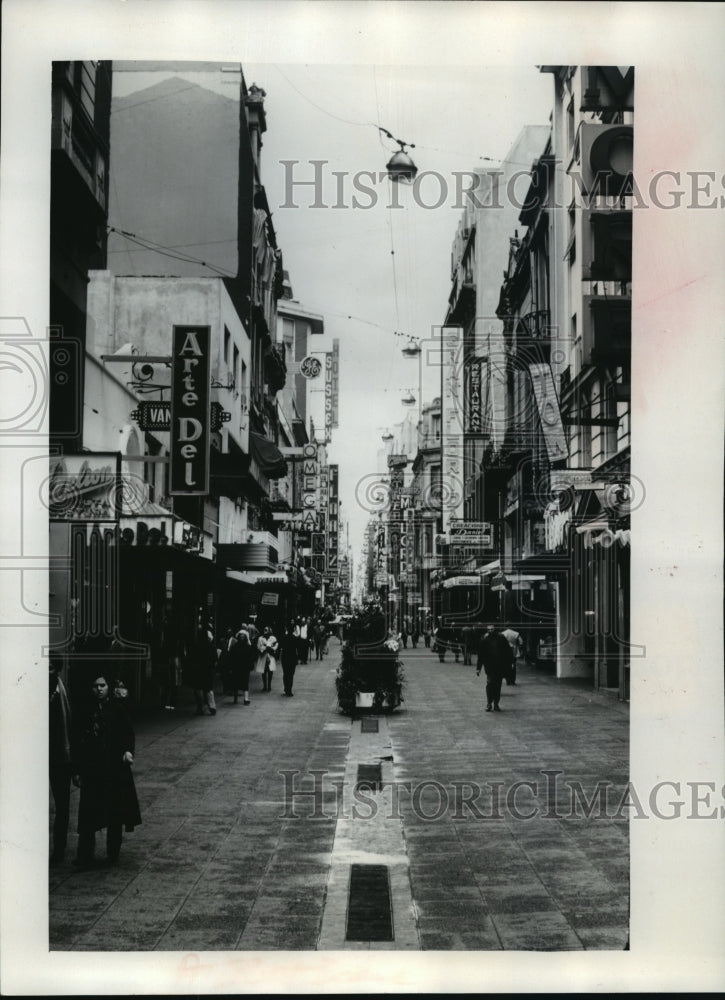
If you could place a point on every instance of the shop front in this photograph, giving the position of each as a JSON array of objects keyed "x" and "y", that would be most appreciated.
[
  {"x": 167, "y": 588},
  {"x": 81, "y": 495},
  {"x": 262, "y": 599}
]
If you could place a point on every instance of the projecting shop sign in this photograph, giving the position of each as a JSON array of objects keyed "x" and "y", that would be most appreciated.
[
  {"x": 190, "y": 411},
  {"x": 471, "y": 533},
  {"x": 452, "y": 454}
]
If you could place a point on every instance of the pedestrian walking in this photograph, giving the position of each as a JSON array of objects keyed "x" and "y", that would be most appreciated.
[
  {"x": 415, "y": 636},
  {"x": 203, "y": 662},
  {"x": 319, "y": 634},
  {"x": 440, "y": 643},
  {"x": 266, "y": 663},
  {"x": 496, "y": 658},
  {"x": 288, "y": 651},
  {"x": 517, "y": 648},
  {"x": 427, "y": 631},
  {"x": 456, "y": 643},
  {"x": 304, "y": 640},
  {"x": 59, "y": 759},
  {"x": 102, "y": 754},
  {"x": 174, "y": 657},
  {"x": 468, "y": 638},
  {"x": 225, "y": 660},
  {"x": 243, "y": 656}
]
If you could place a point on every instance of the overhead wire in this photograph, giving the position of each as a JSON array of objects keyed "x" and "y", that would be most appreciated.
[
  {"x": 367, "y": 124},
  {"x": 167, "y": 251}
]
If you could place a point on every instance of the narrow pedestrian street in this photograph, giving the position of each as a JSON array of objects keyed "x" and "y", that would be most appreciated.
[{"x": 461, "y": 841}]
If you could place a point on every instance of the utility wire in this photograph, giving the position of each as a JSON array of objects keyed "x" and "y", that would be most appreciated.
[
  {"x": 166, "y": 251},
  {"x": 434, "y": 149}
]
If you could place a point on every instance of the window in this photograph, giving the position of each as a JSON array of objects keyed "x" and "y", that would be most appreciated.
[
  {"x": 84, "y": 84},
  {"x": 227, "y": 342}
]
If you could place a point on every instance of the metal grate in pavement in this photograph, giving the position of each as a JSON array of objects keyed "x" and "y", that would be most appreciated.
[
  {"x": 369, "y": 776},
  {"x": 369, "y": 725},
  {"x": 369, "y": 911}
]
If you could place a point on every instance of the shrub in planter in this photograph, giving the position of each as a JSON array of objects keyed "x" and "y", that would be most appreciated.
[{"x": 369, "y": 664}]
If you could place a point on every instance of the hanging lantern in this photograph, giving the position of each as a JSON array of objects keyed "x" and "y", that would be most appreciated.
[
  {"x": 387, "y": 437},
  {"x": 411, "y": 350},
  {"x": 400, "y": 167},
  {"x": 408, "y": 400}
]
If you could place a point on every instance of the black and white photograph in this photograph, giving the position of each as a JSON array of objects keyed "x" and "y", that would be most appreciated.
[{"x": 362, "y": 451}]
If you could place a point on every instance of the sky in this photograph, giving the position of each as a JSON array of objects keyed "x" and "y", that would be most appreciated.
[{"x": 378, "y": 272}]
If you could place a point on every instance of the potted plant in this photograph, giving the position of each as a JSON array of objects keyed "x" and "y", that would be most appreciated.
[{"x": 370, "y": 675}]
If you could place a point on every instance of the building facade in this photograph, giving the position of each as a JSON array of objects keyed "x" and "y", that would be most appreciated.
[{"x": 186, "y": 243}]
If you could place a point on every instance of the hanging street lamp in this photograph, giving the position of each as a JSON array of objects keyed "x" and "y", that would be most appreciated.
[
  {"x": 400, "y": 166},
  {"x": 411, "y": 349}
]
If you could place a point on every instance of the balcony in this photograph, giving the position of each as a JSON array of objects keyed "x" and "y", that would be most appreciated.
[
  {"x": 462, "y": 302},
  {"x": 275, "y": 368},
  {"x": 71, "y": 134},
  {"x": 606, "y": 329},
  {"x": 606, "y": 245}
]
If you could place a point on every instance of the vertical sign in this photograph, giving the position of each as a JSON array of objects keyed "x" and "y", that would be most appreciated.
[
  {"x": 474, "y": 411},
  {"x": 451, "y": 424},
  {"x": 190, "y": 410},
  {"x": 332, "y": 369},
  {"x": 396, "y": 528},
  {"x": 310, "y": 483},
  {"x": 547, "y": 404},
  {"x": 335, "y": 383},
  {"x": 332, "y": 519}
]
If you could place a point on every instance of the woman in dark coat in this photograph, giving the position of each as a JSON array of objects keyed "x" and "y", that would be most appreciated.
[
  {"x": 102, "y": 755},
  {"x": 289, "y": 650},
  {"x": 243, "y": 655}
]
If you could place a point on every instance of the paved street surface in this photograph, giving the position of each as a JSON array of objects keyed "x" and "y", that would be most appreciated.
[{"x": 456, "y": 854}]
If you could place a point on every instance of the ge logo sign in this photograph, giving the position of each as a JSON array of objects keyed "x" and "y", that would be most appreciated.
[{"x": 310, "y": 367}]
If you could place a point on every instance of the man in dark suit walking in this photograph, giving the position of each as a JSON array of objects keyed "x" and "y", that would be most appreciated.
[{"x": 495, "y": 656}]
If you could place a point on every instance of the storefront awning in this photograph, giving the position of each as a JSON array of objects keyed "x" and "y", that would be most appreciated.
[
  {"x": 462, "y": 581},
  {"x": 490, "y": 568},
  {"x": 256, "y": 579},
  {"x": 269, "y": 458}
]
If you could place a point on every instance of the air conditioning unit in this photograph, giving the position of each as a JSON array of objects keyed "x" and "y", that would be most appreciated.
[
  {"x": 606, "y": 251},
  {"x": 606, "y": 158}
]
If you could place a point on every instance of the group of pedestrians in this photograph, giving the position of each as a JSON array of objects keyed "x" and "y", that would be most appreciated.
[
  {"x": 497, "y": 652},
  {"x": 236, "y": 655}
]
